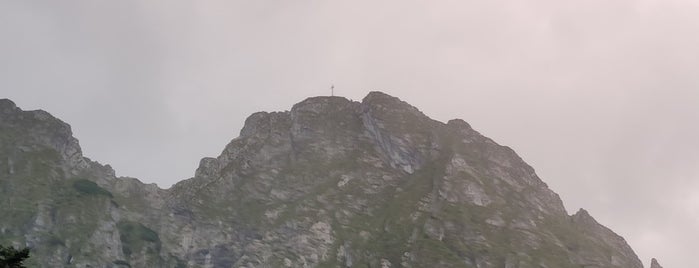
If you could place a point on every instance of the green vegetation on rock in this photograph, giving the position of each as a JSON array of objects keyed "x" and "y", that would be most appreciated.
[
  {"x": 135, "y": 236},
  {"x": 90, "y": 188}
]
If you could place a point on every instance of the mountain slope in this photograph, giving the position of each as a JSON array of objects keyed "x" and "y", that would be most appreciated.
[{"x": 330, "y": 183}]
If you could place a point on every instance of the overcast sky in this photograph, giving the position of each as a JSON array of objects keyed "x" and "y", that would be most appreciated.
[{"x": 600, "y": 96}]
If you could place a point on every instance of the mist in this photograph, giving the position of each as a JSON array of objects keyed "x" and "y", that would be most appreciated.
[{"x": 600, "y": 97}]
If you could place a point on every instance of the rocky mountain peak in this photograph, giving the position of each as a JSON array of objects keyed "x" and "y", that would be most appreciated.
[
  {"x": 459, "y": 123},
  {"x": 7, "y": 106},
  {"x": 654, "y": 264},
  {"x": 320, "y": 104},
  {"x": 261, "y": 122},
  {"x": 378, "y": 98},
  {"x": 329, "y": 183},
  {"x": 624, "y": 256},
  {"x": 38, "y": 130},
  {"x": 583, "y": 217},
  {"x": 383, "y": 104}
]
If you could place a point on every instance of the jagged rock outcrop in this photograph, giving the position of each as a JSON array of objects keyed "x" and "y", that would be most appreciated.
[
  {"x": 330, "y": 183},
  {"x": 654, "y": 263}
]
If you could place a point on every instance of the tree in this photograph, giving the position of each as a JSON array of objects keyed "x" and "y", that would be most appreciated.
[{"x": 13, "y": 258}]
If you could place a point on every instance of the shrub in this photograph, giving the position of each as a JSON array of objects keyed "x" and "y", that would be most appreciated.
[
  {"x": 134, "y": 236},
  {"x": 90, "y": 188},
  {"x": 13, "y": 258}
]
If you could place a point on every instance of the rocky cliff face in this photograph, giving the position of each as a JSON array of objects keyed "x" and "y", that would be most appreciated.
[{"x": 331, "y": 183}]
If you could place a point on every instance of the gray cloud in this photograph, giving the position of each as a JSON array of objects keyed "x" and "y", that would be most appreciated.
[{"x": 599, "y": 96}]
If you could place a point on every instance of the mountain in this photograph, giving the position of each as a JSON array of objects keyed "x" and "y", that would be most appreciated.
[
  {"x": 654, "y": 264},
  {"x": 330, "y": 183}
]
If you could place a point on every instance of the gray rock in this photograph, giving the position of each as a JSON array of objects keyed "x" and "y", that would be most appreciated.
[
  {"x": 330, "y": 183},
  {"x": 654, "y": 263}
]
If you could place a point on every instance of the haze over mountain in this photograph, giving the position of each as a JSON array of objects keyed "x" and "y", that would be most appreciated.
[
  {"x": 605, "y": 88},
  {"x": 330, "y": 183}
]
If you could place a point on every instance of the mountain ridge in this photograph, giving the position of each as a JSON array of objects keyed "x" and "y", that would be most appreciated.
[{"x": 303, "y": 188}]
